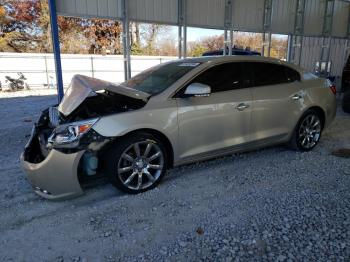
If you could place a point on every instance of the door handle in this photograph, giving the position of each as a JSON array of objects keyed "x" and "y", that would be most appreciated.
[
  {"x": 242, "y": 107},
  {"x": 296, "y": 97}
]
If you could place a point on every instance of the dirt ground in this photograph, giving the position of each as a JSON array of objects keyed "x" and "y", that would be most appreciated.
[{"x": 273, "y": 204}]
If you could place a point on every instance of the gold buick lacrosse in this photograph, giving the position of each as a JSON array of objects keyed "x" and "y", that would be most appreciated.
[{"x": 179, "y": 112}]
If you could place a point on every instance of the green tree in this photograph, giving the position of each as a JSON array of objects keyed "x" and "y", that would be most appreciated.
[{"x": 197, "y": 50}]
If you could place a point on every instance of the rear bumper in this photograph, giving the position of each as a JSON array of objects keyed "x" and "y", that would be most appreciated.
[
  {"x": 55, "y": 177},
  {"x": 331, "y": 111}
]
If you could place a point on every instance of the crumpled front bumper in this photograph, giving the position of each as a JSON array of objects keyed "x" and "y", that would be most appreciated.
[{"x": 56, "y": 177}]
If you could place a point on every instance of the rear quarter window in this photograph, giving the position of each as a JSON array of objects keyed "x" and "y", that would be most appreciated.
[
  {"x": 291, "y": 74},
  {"x": 309, "y": 76}
]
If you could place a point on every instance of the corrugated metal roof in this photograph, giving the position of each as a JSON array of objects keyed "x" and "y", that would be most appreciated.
[
  {"x": 247, "y": 15},
  {"x": 340, "y": 18},
  {"x": 313, "y": 19},
  {"x": 205, "y": 13},
  {"x": 161, "y": 11},
  {"x": 90, "y": 8},
  {"x": 283, "y": 16}
]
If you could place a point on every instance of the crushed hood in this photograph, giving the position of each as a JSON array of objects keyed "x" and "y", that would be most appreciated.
[{"x": 82, "y": 87}]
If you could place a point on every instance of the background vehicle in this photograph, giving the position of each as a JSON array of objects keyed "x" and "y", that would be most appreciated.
[
  {"x": 235, "y": 51},
  {"x": 17, "y": 84},
  {"x": 175, "y": 113}
]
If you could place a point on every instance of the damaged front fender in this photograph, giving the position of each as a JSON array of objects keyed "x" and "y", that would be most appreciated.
[{"x": 56, "y": 176}]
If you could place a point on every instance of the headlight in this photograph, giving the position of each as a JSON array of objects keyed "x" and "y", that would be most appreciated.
[{"x": 68, "y": 135}]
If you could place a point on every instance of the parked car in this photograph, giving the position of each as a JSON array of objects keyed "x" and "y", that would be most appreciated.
[
  {"x": 235, "y": 51},
  {"x": 175, "y": 113},
  {"x": 346, "y": 86}
]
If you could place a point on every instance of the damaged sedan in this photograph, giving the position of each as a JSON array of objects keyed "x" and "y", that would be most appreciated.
[{"x": 172, "y": 114}]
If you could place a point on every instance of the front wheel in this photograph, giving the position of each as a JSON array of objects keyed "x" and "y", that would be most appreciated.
[
  {"x": 308, "y": 131},
  {"x": 137, "y": 163}
]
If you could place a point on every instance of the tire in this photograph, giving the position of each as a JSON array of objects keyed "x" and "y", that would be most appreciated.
[
  {"x": 12, "y": 87},
  {"x": 306, "y": 136},
  {"x": 346, "y": 102},
  {"x": 134, "y": 170}
]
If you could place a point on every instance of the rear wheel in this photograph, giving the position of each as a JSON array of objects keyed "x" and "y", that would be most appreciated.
[
  {"x": 137, "y": 163},
  {"x": 308, "y": 131}
]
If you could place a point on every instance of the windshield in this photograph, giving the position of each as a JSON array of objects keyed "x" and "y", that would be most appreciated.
[{"x": 159, "y": 78}]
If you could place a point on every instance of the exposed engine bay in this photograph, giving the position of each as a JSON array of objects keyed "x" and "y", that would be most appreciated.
[
  {"x": 67, "y": 127},
  {"x": 100, "y": 104}
]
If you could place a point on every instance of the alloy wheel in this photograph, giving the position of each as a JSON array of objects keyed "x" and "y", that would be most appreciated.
[
  {"x": 310, "y": 131},
  {"x": 140, "y": 165}
]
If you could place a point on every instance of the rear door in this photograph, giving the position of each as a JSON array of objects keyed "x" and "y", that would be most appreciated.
[
  {"x": 219, "y": 121},
  {"x": 277, "y": 97}
]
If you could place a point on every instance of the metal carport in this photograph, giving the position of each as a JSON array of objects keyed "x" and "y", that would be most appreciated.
[{"x": 318, "y": 30}]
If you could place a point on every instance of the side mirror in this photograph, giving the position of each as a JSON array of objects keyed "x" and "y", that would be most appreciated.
[{"x": 197, "y": 89}]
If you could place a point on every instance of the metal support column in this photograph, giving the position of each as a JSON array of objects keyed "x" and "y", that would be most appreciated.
[
  {"x": 228, "y": 26},
  {"x": 184, "y": 48},
  {"x": 289, "y": 47},
  {"x": 327, "y": 36},
  {"x": 182, "y": 41},
  {"x": 347, "y": 43},
  {"x": 56, "y": 48},
  {"x": 297, "y": 38},
  {"x": 266, "y": 48},
  {"x": 231, "y": 43},
  {"x": 92, "y": 66},
  {"x": 225, "y": 43},
  {"x": 126, "y": 40}
]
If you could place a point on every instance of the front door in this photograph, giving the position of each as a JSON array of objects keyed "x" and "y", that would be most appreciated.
[{"x": 215, "y": 123}]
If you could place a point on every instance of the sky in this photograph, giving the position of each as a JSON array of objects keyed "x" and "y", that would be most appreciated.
[
  {"x": 194, "y": 33},
  {"x": 197, "y": 33}
]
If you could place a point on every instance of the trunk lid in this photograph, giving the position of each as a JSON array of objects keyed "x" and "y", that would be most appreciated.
[{"x": 82, "y": 87}]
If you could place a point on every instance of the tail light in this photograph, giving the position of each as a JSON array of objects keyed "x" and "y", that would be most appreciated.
[{"x": 333, "y": 88}]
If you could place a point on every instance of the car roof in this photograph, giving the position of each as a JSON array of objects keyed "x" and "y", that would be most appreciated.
[{"x": 236, "y": 58}]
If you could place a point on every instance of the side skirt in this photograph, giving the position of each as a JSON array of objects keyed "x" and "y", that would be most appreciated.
[{"x": 233, "y": 149}]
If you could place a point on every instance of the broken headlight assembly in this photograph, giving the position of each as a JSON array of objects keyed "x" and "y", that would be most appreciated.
[{"x": 68, "y": 135}]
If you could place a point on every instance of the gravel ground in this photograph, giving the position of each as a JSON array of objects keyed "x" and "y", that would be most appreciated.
[{"x": 268, "y": 205}]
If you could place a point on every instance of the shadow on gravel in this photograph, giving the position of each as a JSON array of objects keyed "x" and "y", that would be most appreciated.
[
  {"x": 342, "y": 152},
  {"x": 222, "y": 162}
]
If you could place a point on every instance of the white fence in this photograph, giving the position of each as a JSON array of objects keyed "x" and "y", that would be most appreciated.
[{"x": 39, "y": 69}]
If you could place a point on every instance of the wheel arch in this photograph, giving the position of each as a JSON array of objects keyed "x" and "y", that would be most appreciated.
[
  {"x": 159, "y": 135},
  {"x": 319, "y": 111}
]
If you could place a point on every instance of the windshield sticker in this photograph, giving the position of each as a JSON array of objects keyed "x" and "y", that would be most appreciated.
[{"x": 189, "y": 64}]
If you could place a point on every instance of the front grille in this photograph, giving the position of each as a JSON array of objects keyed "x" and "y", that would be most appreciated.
[{"x": 54, "y": 116}]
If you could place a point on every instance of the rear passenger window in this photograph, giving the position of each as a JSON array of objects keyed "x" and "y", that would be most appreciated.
[
  {"x": 262, "y": 74},
  {"x": 268, "y": 74},
  {"x": 222, "y": 77}
]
